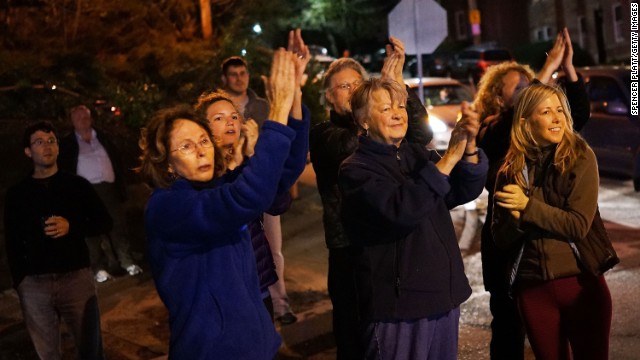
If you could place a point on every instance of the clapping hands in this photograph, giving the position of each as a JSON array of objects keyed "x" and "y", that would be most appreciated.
[
  {"x": 281, "y": 85},
  {"x": 394, "y": 62}
]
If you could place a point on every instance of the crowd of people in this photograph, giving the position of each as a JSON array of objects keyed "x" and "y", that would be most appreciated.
[{"x": 221, "y": 172}]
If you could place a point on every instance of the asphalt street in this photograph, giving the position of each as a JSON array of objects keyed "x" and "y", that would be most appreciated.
[{"x": 134, "y": 321}]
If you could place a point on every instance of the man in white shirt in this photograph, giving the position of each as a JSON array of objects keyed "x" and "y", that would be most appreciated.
[{"x": 89, "y": 153}]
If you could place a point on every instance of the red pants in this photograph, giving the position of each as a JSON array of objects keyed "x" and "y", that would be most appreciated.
[{"x": 567, "y": 316}]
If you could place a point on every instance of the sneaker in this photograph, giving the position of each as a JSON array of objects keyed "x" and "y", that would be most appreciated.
[
  {"x": 287, "y": 318},
  {"x": 102, "y": 276},
  {"x": 134, "y": 270}
]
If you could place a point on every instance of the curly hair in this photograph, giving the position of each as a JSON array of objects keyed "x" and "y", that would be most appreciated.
[
  {"x": 490, "y": 86},
  {"x": 154, "y": 143},
  {"x": 524, "y": 147}
]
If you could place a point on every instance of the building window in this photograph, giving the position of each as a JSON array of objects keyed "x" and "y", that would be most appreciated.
[
  {"x": 618, "y": 23},
  {"x": 543, "y": 33},
  {"x": 582, "y": 30},
  {"x": 461, "y": 25}
]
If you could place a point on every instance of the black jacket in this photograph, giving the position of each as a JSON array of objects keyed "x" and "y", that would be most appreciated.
[
  {"x": 68, "y": 159},
  {"x": 395, "y": 209},
  {"x": 331, "y": 142}
]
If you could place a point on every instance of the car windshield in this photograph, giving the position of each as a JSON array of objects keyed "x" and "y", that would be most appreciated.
[{"x": 436, "y": 95}]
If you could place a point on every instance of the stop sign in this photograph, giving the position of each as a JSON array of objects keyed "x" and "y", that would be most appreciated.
[{"x": 420, "y": 24}]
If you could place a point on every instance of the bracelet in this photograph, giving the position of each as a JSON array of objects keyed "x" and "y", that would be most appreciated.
[{"x": 471, "y": 153}]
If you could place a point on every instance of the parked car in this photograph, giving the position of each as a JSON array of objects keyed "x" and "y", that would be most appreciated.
[
  {"x": 432, "y": 65},
  {"x": 471, "y": 63},
  {"x": 442, "y": 98},
  {"x": 612, "y": 132}
]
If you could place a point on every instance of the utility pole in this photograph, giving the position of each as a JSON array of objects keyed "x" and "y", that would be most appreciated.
[{"x": 560, "y": 22}]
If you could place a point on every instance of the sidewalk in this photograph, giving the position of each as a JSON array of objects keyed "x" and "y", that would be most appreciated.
[{"x": 135, "y": 325}]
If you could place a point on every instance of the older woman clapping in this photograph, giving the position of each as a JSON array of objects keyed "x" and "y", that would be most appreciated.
[
  {"x": 396, "y": 197},
  {"x": 198, "y": 244}
]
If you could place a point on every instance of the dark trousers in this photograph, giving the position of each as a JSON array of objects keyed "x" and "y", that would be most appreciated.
[
  {"x": 48, "y": 299},
  {"x": 568, "y": 315},
  {"x": 434, "y": 337},
  {"x": 342, "y": 290},
  {"x": 507, "y": 331}
]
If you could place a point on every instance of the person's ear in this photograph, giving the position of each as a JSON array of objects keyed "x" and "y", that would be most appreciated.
[
  {"x": 223, "y": 78},
  {"x": 27, "y": 151},
  {"x": 328, "y": 96},
  {"x": 500, "y": 101}
]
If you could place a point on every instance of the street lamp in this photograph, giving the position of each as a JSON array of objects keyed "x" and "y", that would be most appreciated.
[{"x": 257, "y": 28}]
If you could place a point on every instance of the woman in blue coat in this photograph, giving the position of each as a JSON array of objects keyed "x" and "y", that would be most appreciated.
[{"x": 199, "y": 247}]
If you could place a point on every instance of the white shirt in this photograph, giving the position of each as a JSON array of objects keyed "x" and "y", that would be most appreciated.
[{"x": 93, "y": 162}]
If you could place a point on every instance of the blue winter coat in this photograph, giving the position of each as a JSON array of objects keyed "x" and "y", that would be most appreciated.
[{"x": 201, "y": 256}]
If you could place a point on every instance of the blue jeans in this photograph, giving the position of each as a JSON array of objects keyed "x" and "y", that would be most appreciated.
[
  {"x": 431, "y": 338},
  {"x": 47, "y": 298}
]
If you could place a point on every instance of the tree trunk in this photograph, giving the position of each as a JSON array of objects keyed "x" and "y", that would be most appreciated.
[{"x": 205, "y": 19}]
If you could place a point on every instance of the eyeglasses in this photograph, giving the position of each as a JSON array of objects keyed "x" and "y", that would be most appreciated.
[
  {"x": 189, "y": 147},
  {"x": 49, "y": 141},
  {"x": 348, "y": 86}
]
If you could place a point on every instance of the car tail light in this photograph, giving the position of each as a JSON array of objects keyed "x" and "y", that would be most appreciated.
[{"x": 483, "y": 65}]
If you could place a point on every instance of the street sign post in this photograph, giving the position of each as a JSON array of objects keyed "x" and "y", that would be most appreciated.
[{"x": 421, "y": 25}]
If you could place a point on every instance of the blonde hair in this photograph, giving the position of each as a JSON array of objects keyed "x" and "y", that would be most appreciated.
[
  {"x": 524, "y": 147},
  {"x": 209, "y": 98},
  {"x": 363, "y": 94},
  {"x": 490, "y": 86}
]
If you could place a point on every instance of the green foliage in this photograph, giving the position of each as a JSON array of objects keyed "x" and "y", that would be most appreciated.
[
  {"x": 140, "y": 56},
  {"x": 137, "y": 101}
]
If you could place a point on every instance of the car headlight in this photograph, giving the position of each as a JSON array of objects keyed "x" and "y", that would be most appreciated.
[{"x": 437, "y": 125}]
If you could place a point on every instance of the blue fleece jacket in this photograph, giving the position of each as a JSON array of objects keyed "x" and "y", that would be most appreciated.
[{"x": 201, "y": 256}]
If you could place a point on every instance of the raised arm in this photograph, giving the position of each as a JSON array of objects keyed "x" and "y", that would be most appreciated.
[
  {"x": 302, "y": 57},
  {"x": 554, "y": 59},
  {"x": 280, "y": 86},
  {"x": 394, "y": 62}
]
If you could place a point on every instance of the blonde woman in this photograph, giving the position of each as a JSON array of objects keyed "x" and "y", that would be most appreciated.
[
  {"x": 545, "y": 214},
  {"x": 497, "y": 93}
]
